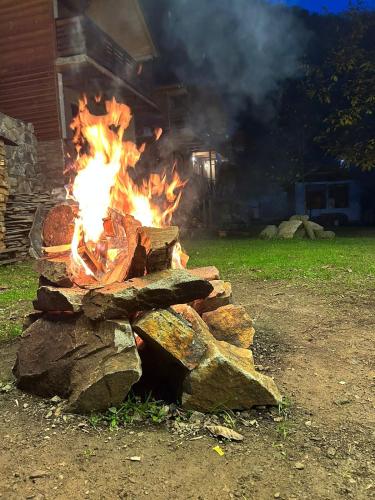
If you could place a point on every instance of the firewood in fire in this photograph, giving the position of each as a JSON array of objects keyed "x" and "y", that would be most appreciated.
[
  {"x": 58, "y": 225},
  {"x": 158, "y": 244}
]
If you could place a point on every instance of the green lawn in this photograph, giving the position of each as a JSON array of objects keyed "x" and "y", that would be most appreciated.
[
  {"x": 347, "y": 259},
  {"x": 346, "y": 263}
]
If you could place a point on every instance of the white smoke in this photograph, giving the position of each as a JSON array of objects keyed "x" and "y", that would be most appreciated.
[{"x": 246, "y": 48}]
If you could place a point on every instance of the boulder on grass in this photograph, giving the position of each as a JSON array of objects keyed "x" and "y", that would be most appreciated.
[
  {"x": 288, "y": 228},
  {"x": 325, "y": 235},
  {"x": 93, "y": 365},
  {"x": 226, "y": 379},
  {"x": 309, "y": 228},
  {"x": 221, "y": 295},
  {"x": 232, "y": 324},
  {"x": 299, "y": 217},
  {"x": 300, "y": 233},
  {"x": 268, "y": 233},
  {"x": 315, "y": 226}
]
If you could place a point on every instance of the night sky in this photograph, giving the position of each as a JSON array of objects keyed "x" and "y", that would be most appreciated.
[{"x": 323, "y": 5}]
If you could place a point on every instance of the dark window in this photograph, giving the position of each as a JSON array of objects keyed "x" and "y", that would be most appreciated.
[
  {"x": 316, "y": 197},
  {"x": 338, "y": 196}
]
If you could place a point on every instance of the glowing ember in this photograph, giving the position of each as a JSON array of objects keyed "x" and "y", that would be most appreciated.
[{"x": 102, "y": 184}]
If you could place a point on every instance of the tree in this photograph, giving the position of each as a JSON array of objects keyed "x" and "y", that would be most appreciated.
[{"x": 345, "y": 84}]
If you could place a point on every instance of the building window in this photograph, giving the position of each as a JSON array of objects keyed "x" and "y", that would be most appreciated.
[
  {"x": 338, "y": 196},
  {"x": 316, "y": 197},
  {"x": 204, "y": 164}
]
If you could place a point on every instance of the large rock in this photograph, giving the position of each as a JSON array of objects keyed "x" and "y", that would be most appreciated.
[
  {"x": 92, "y": 364},
  {"x": 226, "y": 379},
  {"x": 52, "y": 299},
  {"x": 268, "y": 233},
  {"x": 221, "y": 295},
  {"x": 299, "y": 217},
  {"x": 315, "y": 226},
  {"x": 309, "y": 228},
  {"x": 162, "y": 289},
  {"x": 54, "y": 271},
  {"x": 207, "y": 273},
  {"x": 325, "y": 235},
  {"x": 180, "y": 332},
  {"x": 174, "y": 342},
  {"x": 232, "y": 324},
  {"x": 288, "y": 228}
]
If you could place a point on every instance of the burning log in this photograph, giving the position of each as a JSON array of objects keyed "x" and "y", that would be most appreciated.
[
  {"x": 133, "y": 262},
  {"x": 158, "y": 244},
  {"x": 58, "y": 226},
  {"x": 59, "y": 249}
]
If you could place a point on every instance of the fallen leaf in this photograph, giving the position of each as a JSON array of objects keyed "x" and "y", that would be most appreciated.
[
  {"x": 225, "y": 432},
  {"x": 134, "y": 459}
]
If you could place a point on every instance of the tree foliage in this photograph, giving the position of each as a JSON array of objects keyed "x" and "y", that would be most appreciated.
[{"x": 344, "y": 83}]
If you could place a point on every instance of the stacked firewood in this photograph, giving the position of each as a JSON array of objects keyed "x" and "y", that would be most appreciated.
[
  {"x": 19, "y": 217},
  {"x": 136, "y": 250},
  {"x": 4, "y": 190}
]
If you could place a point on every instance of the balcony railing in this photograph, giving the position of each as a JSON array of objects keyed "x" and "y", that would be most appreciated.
[{"x": 79, "y": 35}]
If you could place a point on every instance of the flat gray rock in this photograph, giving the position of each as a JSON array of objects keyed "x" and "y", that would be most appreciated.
[
  {"x": 288, "y": 228},
  {"x": 53, "y": 299},
  {"x": 268, "y": 233},
  {"x": 156, "y": 290}
]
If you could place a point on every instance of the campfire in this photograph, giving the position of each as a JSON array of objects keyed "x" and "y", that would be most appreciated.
[{"x": 117, "y": 309}]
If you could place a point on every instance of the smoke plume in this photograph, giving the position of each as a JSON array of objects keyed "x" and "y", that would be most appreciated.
[{"x": 245, "y": 48}]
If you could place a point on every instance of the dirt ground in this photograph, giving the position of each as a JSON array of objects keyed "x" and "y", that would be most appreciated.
[{"x": 319, "y": 349}]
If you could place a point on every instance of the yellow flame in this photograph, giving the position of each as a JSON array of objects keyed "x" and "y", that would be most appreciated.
[{"x": 102, "y": 179}]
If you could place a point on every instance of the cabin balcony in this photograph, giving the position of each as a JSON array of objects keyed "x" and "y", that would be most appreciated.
[{"x": 88, "y": 57}]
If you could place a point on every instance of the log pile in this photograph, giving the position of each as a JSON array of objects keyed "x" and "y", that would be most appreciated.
[
  {"x": 19, "y": 217},
  {"x": 4, "y": 192}
]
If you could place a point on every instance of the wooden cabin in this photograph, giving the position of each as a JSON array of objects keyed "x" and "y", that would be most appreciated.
[{"x": 52, "y": 51}]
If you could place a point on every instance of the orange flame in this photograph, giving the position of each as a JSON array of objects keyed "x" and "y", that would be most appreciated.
[{"x": 102, "y": 180}]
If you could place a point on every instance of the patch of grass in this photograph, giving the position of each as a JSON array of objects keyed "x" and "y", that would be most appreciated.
[
  {"x": 284, "y": 428},
  {"x": 285, "y": 407},
  {"x": 18, "y": 285},
  {"x": 132, "y": 410},
  {"x": 345, "y": 260},
  {"x": 228, "y": 418}
]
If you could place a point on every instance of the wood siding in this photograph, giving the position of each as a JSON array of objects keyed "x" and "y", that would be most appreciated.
[{"x": 28, "y": 83}]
